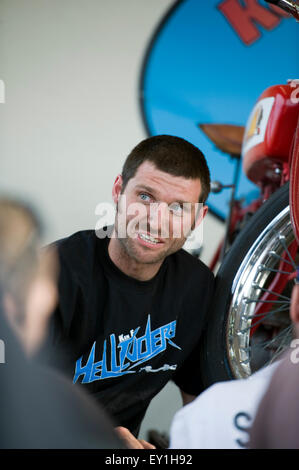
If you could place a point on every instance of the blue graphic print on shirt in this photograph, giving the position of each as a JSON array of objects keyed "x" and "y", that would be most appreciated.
[{"x": 130, "y": 352}]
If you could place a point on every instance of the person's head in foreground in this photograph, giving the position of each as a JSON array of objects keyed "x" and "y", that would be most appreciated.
[{"x": 27, "y": 275}]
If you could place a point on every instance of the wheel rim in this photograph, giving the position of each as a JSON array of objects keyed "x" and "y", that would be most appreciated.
[{"x": 247, "y": 352}]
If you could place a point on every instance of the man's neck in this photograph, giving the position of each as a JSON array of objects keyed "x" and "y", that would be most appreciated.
[{"x": 129, "y": 266}]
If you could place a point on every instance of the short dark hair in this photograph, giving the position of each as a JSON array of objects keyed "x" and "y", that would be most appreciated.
[{"x": 172, "y": 155}]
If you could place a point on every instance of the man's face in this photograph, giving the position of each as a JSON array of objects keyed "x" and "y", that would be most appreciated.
[{"x": 155, "y": 213}]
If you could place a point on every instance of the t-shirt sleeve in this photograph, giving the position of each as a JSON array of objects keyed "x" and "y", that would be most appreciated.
[{"x": 188, "y": 377}]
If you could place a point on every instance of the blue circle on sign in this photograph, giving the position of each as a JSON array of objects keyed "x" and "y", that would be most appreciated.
[{"x": 200, "y": 69}]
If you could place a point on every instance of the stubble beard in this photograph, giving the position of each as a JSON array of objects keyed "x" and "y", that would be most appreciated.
[{"x": 128, "y": 246}]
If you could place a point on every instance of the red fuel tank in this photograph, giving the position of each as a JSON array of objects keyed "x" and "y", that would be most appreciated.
[{"x": 269, "y": 132}]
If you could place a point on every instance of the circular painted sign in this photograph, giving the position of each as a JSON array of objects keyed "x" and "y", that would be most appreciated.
[{"x": 208, "y": 62}]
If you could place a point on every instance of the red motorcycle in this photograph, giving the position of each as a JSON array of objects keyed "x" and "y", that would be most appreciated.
[{"x": 249, "y": 323}]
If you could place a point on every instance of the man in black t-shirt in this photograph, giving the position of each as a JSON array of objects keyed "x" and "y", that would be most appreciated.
[{"x": 133, "y": 304}]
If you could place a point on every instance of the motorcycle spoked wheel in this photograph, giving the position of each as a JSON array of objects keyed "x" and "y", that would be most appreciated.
[{"x": 229, "y": 350}]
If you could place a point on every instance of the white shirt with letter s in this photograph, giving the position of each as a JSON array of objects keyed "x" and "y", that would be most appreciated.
[{"x": 220, "y": 418}]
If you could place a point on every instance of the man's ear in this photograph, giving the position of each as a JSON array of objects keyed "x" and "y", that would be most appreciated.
[
  {"x": 116, "y": 189},
  {"x": 202, "y": 212}
]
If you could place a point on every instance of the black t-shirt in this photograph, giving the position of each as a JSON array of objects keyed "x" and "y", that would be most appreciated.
[{"x": 127, "y": 338}]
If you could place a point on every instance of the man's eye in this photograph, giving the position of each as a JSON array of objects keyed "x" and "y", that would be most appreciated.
[
  {"x": 176, "y": 208},
  {"x": 144, "y": 197}
]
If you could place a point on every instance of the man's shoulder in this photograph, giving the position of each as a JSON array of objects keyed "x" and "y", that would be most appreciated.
[
  {"x": 78, "y": 238},
  {"x": 77, "y": 247},
  {"x": 78, "y": 242},
  {"x": 188, "y": 264}
]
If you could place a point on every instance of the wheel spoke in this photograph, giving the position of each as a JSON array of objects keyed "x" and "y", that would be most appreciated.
[
  {"x": 282, "y": 240},
  {"x": 257, "y": 315},
  {"x": 262, "y": 267},
  {"x": 275, "y": 255},
  {"x": 256, "y": 301},
  {"x": 264, "y": 344},
  {"x": 256, "y": 286},
  {"x": 267, "y": 315},
  {"x": 281, "y": 334},
  {"x": 286, "y": 338}
]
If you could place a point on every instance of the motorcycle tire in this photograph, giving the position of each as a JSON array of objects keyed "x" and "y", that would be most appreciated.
[{"x": 258, "y": 242}]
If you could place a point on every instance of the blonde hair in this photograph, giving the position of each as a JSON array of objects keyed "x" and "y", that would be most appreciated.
[{"x": 19, "y": 240}]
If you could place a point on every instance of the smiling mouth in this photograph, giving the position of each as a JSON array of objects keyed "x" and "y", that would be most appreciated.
[{"x": 149, "y": 239}]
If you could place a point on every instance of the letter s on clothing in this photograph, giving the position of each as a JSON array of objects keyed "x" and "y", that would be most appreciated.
[
  {"x": 295, "y": 354},
  {"x": 240, "y": 427}
]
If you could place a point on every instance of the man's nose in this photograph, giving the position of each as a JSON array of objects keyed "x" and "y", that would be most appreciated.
[{"x": 159, "y": 219}]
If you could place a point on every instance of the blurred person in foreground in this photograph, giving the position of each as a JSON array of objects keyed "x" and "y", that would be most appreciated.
[
  {"x": 276, "y": 425},
  {"x": 38, "y": 407}
]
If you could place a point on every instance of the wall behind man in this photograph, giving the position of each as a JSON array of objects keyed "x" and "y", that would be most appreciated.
[
  {"x": 71, "y": 115},
  {"x": 71, "y": 70}
]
